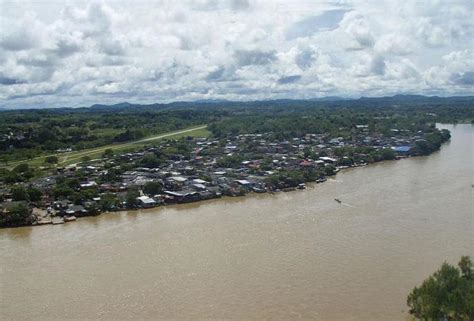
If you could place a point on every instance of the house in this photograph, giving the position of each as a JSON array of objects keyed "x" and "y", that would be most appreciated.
[
  {"x": 145, "y": 201},
  {"x": 178, "y": 179},
  {"x": 306, "y": 163},
  {"x": 88, "y": 184},
  {"x": 199, "y": 187},
  {"x": 76, "y": 210},
  {"x": 182, "y": 196},
  {"x": 244, "y": 183},
  {"x": 329, "y": 160},
  {"x": 402, "y": 149}
]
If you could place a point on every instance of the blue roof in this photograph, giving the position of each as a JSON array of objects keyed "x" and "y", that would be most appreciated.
[{"x": 401, "y": 149}]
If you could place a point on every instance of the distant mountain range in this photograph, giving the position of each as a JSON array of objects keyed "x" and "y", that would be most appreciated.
[
  {"x": 328, "y": 101},
  {"x": 324, "y": 101}
]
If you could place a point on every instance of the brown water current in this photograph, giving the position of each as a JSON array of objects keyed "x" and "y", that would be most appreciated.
[{"x": 288, "y": 256}]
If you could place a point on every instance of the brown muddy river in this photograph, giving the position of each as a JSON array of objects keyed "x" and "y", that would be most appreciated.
[{"x": 289, "y": 256}]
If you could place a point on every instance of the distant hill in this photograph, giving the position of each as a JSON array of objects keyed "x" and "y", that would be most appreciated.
[
  {"x": 120, "y": 105},
  {"x": 402, "y": 100}
]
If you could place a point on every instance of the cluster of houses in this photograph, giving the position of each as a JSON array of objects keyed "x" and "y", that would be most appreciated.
[{"x": 212, "y": 168}]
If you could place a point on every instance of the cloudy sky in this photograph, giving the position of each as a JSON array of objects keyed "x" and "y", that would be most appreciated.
[{"x": 77, "y": 53}]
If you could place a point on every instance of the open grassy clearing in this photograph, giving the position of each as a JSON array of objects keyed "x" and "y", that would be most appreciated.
[{"x": 93, "y": 153}]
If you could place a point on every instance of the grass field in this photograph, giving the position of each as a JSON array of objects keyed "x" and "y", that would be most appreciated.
[{"x": 93, "y": 153}]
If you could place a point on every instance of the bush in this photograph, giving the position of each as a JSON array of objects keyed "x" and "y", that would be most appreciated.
[
  {"x": 18, "y": 214},
  {"x": 34, "y": 194},
  {"x": 330, "y": 170},
  {"x": 51, "y": 160},
  {"x": 109, "y": 202},
  {"x": 19, "y": 193},
  {"x": 108, "y": 153},
  {"x": 388, "y": 154},
  {"x": 22, "y": 168},
  {"x": 131, "y": 197},
  {"x": 150, "y": 161},
  {"x": 153, "y": 188}
]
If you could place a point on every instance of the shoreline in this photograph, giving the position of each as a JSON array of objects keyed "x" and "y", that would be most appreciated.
[{"x": 310, "y": 184}]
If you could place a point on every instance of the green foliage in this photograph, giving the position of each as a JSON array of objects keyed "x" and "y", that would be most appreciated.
[
  {"x": 150, "y": 161},
  {"x": 131, "y": 197},
  {"x": 62, "y": 191},
  {"x": 37, "y": 132},
  {"x": 388, "y": 154},
  {"x": 51, "y": 160},
  {"x": 18, "y": 214},
  {"x": 10, "y": 177},
  {"x": 432, "y": 142},
  {"x": 22, "y": 168},
  {"x": 130, "y": 134},
  {"x": 178, "y": 147},
  {"x": 285, "y": 179},
  {"x": 21, "y": 173},
  {"x": 84, "y": 195},
  {"x": 345, "y": 161},
  {"x": 19, "y": 193},
  {"x": 330, "y": 170},
  {"x": 109, "y": 202},
  {"x": 113, "y": 175},
  {"x": 230, "y": 161},
  {"x": 153, "y": 188},
  {"x": 465, "y": 264},
  {"x": 34, "y": 194},
  {"x": 108, "y": 153},
  {"x": 446, "y": 295}
]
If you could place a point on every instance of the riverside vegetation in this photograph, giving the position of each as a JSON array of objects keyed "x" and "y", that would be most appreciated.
[{"x": 446, "y": 295}]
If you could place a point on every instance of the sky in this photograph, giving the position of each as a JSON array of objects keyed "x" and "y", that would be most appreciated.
[{"x": 78, "y": 53}]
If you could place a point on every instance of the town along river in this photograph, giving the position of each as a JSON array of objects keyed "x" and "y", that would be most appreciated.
[{"x": 288, "y": 256}]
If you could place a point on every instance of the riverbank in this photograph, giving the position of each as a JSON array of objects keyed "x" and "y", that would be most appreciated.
[{"x": 44, "y": 218}]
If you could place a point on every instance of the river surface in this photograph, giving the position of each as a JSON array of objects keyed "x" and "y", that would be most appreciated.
[{"x": 288, "y": 256}]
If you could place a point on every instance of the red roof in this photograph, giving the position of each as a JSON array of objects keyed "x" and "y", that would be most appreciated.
[{"x": 305, "y": 163}]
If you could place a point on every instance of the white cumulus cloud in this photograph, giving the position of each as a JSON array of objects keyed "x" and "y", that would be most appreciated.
[{"x": 96, "y": 51}]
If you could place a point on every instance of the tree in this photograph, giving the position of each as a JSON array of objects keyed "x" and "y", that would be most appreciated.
[
  {"x": 150, "y": 161},
  {"x": 131, "y": 197},
  {"x": 85, "y": 159},
  {"x": 18, "y": 214},
  {"x": 109, "y": 202},
  {"x": 34, "y": 194},
  {"x": 22, "y": 168},
  {"x": 108, "y": 153},
  {"x": 62, "y": 190},
  {"x": 19, "y": 193},
  {"x": 388, "y": 154},
  {"x": 330, "y": 170},
  {"x": 51, "y": 160},
  {"x": 465, "y": 265},
  {"x": 9, "y": 177},
  {"x": 446, "y": 295},
  {"x": 153, "y": 188},
  {"x": 232, "y": 161}
]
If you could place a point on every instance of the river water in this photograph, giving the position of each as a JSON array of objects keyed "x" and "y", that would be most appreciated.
[{"x": 288, "y": 256}]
